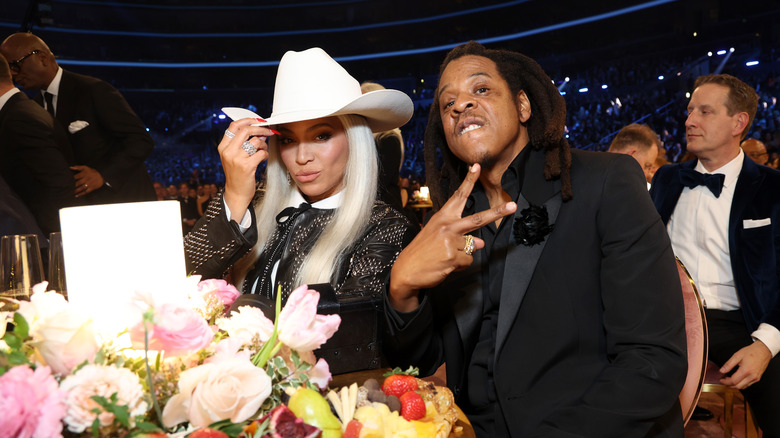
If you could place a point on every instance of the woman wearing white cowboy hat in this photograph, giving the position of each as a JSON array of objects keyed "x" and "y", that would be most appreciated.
[{"x": 318, "y": 221}]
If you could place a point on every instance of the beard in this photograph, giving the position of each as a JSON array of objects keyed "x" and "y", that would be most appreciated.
[{"x": 486, "y": 160}]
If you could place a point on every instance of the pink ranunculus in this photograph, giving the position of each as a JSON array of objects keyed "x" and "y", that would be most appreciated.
[
  {"x": 300, "y": 327},
  {"x": 176, "y": 330},
  {"x": 232, "y": 388},
  {"x": 31, "y": 403},
  {"x": 226, "y": 292}
]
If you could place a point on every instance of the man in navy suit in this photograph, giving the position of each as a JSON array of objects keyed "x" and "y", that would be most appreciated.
[
  {"x": 110, "y": 143},
  {"x": 562, "y": 314},
  {"x": 723, "y": 216}
]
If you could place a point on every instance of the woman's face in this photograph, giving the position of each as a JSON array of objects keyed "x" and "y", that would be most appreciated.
[{"x": 315, "y": 153}]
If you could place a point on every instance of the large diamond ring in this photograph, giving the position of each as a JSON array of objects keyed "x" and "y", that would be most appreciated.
[
  {"x": 469, "y": 248},
  {"x": 229, "y": 134},
  {"x": 248, "y": 147}
]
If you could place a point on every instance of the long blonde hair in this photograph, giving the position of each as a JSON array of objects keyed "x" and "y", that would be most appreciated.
[{"x": 349, "y": 221}]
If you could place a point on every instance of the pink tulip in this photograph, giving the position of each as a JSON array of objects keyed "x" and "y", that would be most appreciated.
[{"x": 300, "y": 327}]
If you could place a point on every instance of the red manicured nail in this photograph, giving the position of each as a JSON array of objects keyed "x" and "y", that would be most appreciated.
[
  {"x": 275, "y": 131},
  {"x": 260, "y": 120}
]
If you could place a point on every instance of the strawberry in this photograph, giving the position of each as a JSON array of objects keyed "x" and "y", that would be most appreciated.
[
  {"x": 412, "y": 406},
  {"x": 353, "y": 429},
  {"x": 399, "y": 384}
]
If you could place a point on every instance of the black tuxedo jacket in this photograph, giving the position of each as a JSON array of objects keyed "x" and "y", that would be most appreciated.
[
  {"x": 33, "y": 162},
  {"x": 754, "y": 234},
  {"x": 115, "y": 143},
  {"x": 590, "y": 335}
]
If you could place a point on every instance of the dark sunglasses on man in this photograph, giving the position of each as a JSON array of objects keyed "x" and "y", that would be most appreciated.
[{"x": 17, "y": 65}]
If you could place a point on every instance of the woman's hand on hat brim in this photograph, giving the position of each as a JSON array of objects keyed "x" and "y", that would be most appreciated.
[{"x": 239, "y": 166}]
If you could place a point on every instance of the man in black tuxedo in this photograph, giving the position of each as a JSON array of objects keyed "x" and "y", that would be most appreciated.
[
  {"x": 562, "y": 316},
  {"x": 109, "y": 141},
  {"x": 727, "y": 233},
  {"x": 32, "y": 157}
]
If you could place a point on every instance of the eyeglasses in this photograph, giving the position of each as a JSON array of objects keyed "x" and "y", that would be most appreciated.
[{"x": 17, "y": 65}]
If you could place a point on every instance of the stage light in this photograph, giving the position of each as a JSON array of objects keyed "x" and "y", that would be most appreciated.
[
  {"x": 205, "y": 87},
  {"x": 604, "y": 87},
  {"x": 221, "y": 117},
  {"x": 660, "y": 77},
  {"x": 721, "y": 52},
  {"x": 563, "y": 93},
  {"x": 583, "y": 90},
  {"x": 751, "y": 63},
  {"x": 709, "y": 54},
  {"x": 695, "y": 34},
  {"x": 688, "y": 95},
  {"x": 147, "y": 129},
  {"x": 679, "y": 73},
  {"x": 567, "y": 79},
  {"x": 731, "y": 50}
]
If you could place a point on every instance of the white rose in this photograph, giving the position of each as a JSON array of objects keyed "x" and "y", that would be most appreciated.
[
  {"x": 228, "y": 389},
  {"x": 246, "y": 323},
  {"x": 62, "y": 337}
]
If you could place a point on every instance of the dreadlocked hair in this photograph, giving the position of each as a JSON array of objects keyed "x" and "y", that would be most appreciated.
[{"x": 545, "y": 127}]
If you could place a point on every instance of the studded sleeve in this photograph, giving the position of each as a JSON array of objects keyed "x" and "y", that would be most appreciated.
[
  {"x": 215, "y": 242},
  {"x": 370, "y": 263}
]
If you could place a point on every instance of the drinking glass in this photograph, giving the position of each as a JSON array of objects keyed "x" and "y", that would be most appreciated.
[
  {"x": 56, "y": 275},
  {"x": 21, "y": 266}
]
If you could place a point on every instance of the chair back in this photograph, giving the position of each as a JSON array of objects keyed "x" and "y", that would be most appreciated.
[{"x": 696, "y": 334}]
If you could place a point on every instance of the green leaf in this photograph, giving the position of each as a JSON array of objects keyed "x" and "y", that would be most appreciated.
[
  {"x": 21, "y": 328},
  {"x": 411, "y": 371},
  {"x": 13, "y": 341}
]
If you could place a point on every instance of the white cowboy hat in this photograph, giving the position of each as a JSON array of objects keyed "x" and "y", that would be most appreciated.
[{"x": 310, "y": 85}]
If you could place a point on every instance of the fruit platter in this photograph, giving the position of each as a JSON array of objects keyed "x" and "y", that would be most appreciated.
[{"x": 391, "y": 403}]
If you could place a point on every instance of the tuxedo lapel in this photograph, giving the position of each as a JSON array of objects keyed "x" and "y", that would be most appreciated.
[
  {"x": 66, "y": 100},
  {"x": 672, "y": 188},
  {"x": 748, "y": 183},
  {"x": 521, "y": 260}
]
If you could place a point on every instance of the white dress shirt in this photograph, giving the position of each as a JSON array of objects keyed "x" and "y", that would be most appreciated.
[{"x": 698, "y": 229}]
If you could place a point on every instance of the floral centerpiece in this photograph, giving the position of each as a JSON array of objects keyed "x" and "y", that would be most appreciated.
[{"x": 179, "y": 368}]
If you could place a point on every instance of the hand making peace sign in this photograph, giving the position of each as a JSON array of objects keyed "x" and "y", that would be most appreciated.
[{"x": 442, "y": 246}]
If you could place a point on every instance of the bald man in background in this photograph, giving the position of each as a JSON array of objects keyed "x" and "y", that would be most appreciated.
[
  {"x": 110, "y": 143},
  {"x": 756, "y": 150},
  {"x": 640, "y": 142}
]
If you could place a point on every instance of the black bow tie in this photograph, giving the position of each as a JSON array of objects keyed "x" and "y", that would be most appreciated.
[
  {"x": 290, "y": 211},
  {"x": 713, "y": 181}
]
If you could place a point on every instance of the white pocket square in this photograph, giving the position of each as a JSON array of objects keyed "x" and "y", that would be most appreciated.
[
  {"x": 755, "y": 223},
  {"x": 77, "y": 126}
]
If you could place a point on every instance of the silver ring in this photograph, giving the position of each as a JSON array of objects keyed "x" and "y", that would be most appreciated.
[
  {"x": 229, "y": 134},
  {"x": 469, "y": 248},
  {"x": 248, "y": 147}
]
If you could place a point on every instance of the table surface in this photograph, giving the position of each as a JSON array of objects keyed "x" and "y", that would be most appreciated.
[{"x": 361, "y": 376}]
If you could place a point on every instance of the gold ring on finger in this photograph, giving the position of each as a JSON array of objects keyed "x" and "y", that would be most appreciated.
[{"x": 469, "y": 248}]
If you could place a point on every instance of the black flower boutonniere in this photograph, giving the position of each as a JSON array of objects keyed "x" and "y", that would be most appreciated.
[{"x": 532, "y": 225}]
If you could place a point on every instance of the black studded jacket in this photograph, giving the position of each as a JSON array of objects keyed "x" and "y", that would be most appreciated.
[{"x": 215, "y": 244}]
